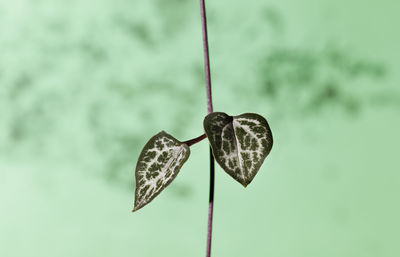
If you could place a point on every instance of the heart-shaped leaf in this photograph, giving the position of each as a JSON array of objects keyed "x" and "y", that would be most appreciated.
[
  {"x": 239, "y": 143},
  {"x": 159, "y": 163}
]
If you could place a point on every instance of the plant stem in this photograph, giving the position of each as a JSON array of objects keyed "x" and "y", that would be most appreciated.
[
  {"x": 195, "y": 140},
  {"x": 206, "y": 56},
  {"x": 210, "y": 205},
  {"x": 210, "y": 110}
]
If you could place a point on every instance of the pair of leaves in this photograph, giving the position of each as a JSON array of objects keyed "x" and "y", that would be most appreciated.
[{"x": 239, "y": 144}]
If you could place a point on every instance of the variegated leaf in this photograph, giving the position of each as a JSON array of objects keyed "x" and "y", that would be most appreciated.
[
  {"x": 158, "y": 164},
  {"x": 239, "y": 143}
]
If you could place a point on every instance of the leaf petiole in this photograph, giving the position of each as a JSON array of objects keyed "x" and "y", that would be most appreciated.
[{"x": 195, "y": 140}]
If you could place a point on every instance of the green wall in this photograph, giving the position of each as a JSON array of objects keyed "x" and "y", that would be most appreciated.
[{"x": 84, "y": 84}]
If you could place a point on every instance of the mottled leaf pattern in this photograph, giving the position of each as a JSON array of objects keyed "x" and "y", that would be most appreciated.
[
  {"x": 239, "y": 143},
  {"x": 158, "y": 164}
]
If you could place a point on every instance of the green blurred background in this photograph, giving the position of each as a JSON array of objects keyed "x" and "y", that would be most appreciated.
[{"x": 84, "y": 84}]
